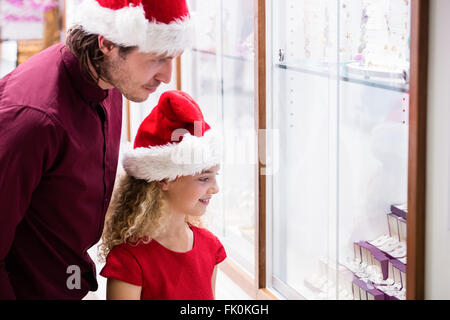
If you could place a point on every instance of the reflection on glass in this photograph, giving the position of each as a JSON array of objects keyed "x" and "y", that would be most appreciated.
[
  {"x": 340, "y": 102},
  {"x": 218, "y": 72}
]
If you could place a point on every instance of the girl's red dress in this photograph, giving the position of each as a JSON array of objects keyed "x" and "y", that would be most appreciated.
[{"x": 164, "y": 274}]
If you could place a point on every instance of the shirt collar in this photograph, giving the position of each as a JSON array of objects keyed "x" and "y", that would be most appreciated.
[{"x": 89, "y": 92}]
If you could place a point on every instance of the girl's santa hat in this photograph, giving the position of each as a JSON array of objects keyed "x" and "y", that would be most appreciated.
[
  {"x": 160, "y": 26},
  {"x": 173, "y": 140}
]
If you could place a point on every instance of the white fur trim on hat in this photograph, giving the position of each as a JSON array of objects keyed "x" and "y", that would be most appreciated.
[
  {"x": 129, "y": 27},
  {"x": 190, "y": 156}
]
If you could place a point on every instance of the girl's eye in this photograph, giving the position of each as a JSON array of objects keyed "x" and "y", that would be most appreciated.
[{"x": 204, "y": 179}]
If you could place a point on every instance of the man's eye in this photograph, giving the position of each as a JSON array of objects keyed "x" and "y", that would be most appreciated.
[
  {"x": 204, "y": 179},
  {"x": 159, "y": 60}
]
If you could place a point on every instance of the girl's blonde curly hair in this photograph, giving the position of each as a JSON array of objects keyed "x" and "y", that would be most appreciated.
[{"x": 136, "y": 214}]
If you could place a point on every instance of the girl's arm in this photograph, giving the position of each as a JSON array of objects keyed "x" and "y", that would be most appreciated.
[
  {"x": 119, "y": 290},
  {"x": 213, "y": 281}
]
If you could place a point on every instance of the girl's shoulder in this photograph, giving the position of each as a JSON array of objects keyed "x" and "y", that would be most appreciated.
[
  {"x": 203, "y": 232},
  {"x": 123, "y": 263},
  {"x": 205, "y": 235},
  {"x": 209, "y": 242},
  {"x": 131, "y": 253},
  {"x": 132, "y": 248}
]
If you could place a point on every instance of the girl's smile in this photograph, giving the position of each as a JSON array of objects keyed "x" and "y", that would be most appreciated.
[{"x": 205, "y": 201}]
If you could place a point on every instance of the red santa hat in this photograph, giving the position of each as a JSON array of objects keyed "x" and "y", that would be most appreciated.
[
  {"x": 173, "y": 140},
  {"x": 160, "y": 26}
]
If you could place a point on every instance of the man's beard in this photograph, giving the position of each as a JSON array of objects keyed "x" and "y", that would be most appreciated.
[{"x": 111, "y": 70}]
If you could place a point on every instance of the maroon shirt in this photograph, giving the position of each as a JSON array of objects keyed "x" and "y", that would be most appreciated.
[{"x": 59, "y": 148}]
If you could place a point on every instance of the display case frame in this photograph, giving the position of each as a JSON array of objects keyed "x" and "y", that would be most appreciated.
[{"x": 415, "y": 279}]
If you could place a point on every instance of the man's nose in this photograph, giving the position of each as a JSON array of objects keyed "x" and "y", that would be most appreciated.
[{"x": 165, "y": 71}]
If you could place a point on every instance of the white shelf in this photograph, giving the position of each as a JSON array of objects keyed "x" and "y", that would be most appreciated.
[{"x": 365, "y": 77}]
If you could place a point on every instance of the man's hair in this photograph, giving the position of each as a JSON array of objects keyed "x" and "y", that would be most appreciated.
[{"x": 85, "y": 47}]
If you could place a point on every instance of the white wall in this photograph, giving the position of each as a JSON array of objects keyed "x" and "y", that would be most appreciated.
[{"x": 437, "y": 256}]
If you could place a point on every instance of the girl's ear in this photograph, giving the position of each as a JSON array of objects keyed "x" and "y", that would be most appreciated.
[{"x": 164, "y": 185}]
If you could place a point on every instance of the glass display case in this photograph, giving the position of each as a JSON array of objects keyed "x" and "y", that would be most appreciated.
[
  {"x": 219, "y": 73},
  {"x": 339, "y": 84}
]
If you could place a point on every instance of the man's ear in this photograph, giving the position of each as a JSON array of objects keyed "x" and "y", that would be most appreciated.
[
  {"x": 164, "y": 185},
  {"x": 105, "y": 45}
]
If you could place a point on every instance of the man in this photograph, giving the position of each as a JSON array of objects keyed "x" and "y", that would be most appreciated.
[{"x": 60, "y": 126}]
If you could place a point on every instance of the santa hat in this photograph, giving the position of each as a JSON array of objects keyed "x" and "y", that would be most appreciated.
[
  {"x": 160, "y": 26},
  {"x": 173, "y": 140}
]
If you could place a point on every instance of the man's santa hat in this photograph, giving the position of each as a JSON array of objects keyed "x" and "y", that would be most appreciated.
[
  {"x": 159, "y": 26},
  {"x": 173, "y": 140}
]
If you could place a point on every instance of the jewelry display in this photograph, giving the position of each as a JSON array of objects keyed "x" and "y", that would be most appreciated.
[
  {"x": 399, "y": 253},
  {"x": 380, "y": 264},
  {"x": 365, "y": 45},
  {"x": 386, "y": 26},
  {"x": 347, "y": 49},
  {"x": 400, "y": 210},
  {"x": 331, "y": 282},
  {"x": 380, "y": 241},
  {"x": 373, "y": 38},
  {"x": 390, "y": 246},
  {"x": 314, "y": 26},
  {"x": 364, "y": 290},
  {"x": 402, "y": 229},
  {"x": 384, "y": 42}
]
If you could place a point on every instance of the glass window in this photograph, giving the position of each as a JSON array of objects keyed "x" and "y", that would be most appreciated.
[
  {"x": 218, "y": 72},
  {"x": 339, "y": 81}
]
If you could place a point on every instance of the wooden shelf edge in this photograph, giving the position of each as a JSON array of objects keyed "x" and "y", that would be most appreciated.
[{"x": 245, "y": 281}]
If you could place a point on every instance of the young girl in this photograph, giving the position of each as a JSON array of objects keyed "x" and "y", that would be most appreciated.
[{"x": 153, "y": 241}]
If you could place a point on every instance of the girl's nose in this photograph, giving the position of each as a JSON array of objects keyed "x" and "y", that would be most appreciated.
[{"x": 215, "y": 188}]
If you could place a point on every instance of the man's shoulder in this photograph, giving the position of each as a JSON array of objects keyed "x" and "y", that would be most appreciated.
[
  {"x": 37, "y": 82},
  {"x": 41, "y": 64}
]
